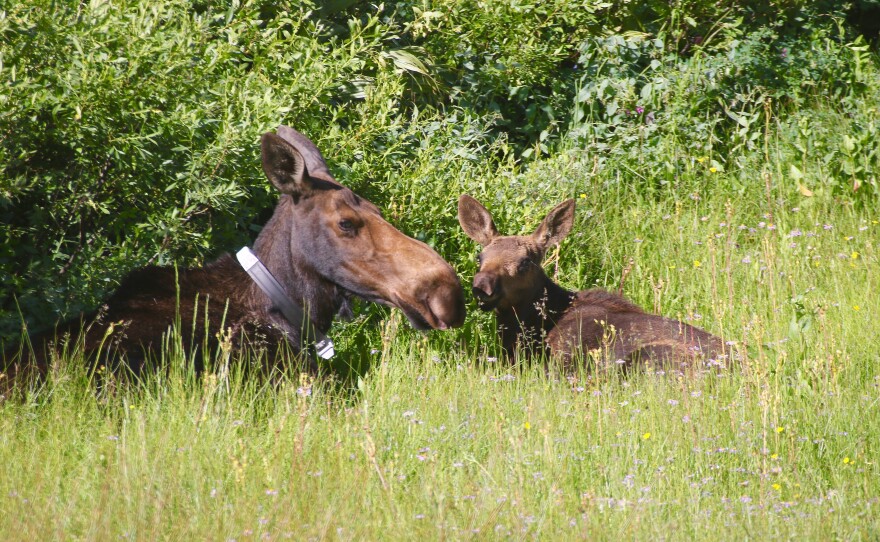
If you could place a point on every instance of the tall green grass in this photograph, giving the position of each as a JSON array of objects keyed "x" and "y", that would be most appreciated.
[{"x": 442, "y": 439}]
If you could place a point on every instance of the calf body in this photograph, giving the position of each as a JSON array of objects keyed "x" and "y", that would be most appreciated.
[
  {"x": 537, "y": 316},
  {"x": 323, "y": 244}
]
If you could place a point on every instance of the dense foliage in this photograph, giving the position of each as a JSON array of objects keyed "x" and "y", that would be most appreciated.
[{"x": 129, "y": 129}]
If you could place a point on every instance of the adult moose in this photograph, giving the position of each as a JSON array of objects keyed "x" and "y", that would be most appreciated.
[
  {"x": 536, "y": 315},
  {"x": 323, "y": 244}
]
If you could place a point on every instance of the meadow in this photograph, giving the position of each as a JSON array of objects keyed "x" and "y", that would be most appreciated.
[{"x": 729, "y": 181}]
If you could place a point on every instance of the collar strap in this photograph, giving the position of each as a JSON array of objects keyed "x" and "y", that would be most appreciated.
[{"x": 280, "y": 300}]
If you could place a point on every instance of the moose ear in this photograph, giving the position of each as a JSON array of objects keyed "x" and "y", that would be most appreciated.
[
  {"x": 284, "y": 165},
  {"x": 314, "y": 159},
  {"x": 556, "y": 225},
  {"x": 475, "y": 220}
]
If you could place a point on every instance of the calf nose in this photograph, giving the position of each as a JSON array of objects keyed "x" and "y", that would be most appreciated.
[{"x": 484, "y": 286}]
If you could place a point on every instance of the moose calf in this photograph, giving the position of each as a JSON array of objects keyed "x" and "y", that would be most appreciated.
[{"x": 537, "y": 316}]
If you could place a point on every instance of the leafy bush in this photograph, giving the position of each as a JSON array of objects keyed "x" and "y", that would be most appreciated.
[{"x": 128, "y": 130}]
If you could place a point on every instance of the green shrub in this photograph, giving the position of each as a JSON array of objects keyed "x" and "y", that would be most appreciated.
[{"x": 128, "y": 130}]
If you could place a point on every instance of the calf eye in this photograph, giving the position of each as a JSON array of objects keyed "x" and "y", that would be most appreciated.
[
  {"x": 346, "y": 225},
  {"x": 523, "y": 265}
]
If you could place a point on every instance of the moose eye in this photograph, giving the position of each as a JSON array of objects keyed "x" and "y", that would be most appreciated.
[
  {"x": 523, "y": 265},
  {"x": 346, "y": 225}
]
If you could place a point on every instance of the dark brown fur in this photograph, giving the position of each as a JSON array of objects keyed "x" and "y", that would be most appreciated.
[
  {"x": 537, "y": 316},
  {"x": 323, "y": 243}
]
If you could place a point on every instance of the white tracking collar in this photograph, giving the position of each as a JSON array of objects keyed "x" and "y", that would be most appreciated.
[{"x": 272, "y": 288}]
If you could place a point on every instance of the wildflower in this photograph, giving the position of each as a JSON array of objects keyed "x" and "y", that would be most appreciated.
[
  {"x": 713, "y": 169},
  {"x": 780, "y": 429},
  {"x": 847, "y": 460},
  {"x": 701, "y": 159},
  {"x": 856, "y": 307},
  {"x": 646, "y": 436},
  {"x": 854, "y": 255},
  {"x": 697, "y": 263},
  {"x": 583, "y": 196},
  {"x": 527, "y": 426},
  {"x": 271, "y": 491},
  {"x": 777, "y": 487},
  {"x": 774, "y": 456}
]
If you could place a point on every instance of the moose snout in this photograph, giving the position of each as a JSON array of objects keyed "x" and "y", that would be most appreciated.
[
  {"x": 485, "y": 287},
  {"x": 447, "y": 305}
]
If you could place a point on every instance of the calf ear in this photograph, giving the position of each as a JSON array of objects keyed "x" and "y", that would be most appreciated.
[
  {"x": 475, "y": 220},
  {"x": 284, "y": 165},
  {"x": 556, "y": 225}
]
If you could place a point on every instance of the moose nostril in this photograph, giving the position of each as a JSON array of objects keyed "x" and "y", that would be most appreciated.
[
  {"x": 482, "y": 287},
  {"x": 447, "y": 305}
]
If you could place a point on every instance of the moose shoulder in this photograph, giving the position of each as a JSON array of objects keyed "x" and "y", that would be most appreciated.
[
  {"x": 537, "y": 315},
  {"x": 323, "y": 244}
]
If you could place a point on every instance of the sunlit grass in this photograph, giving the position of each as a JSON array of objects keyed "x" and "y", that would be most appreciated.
[{"x": 442, "y": 439}]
